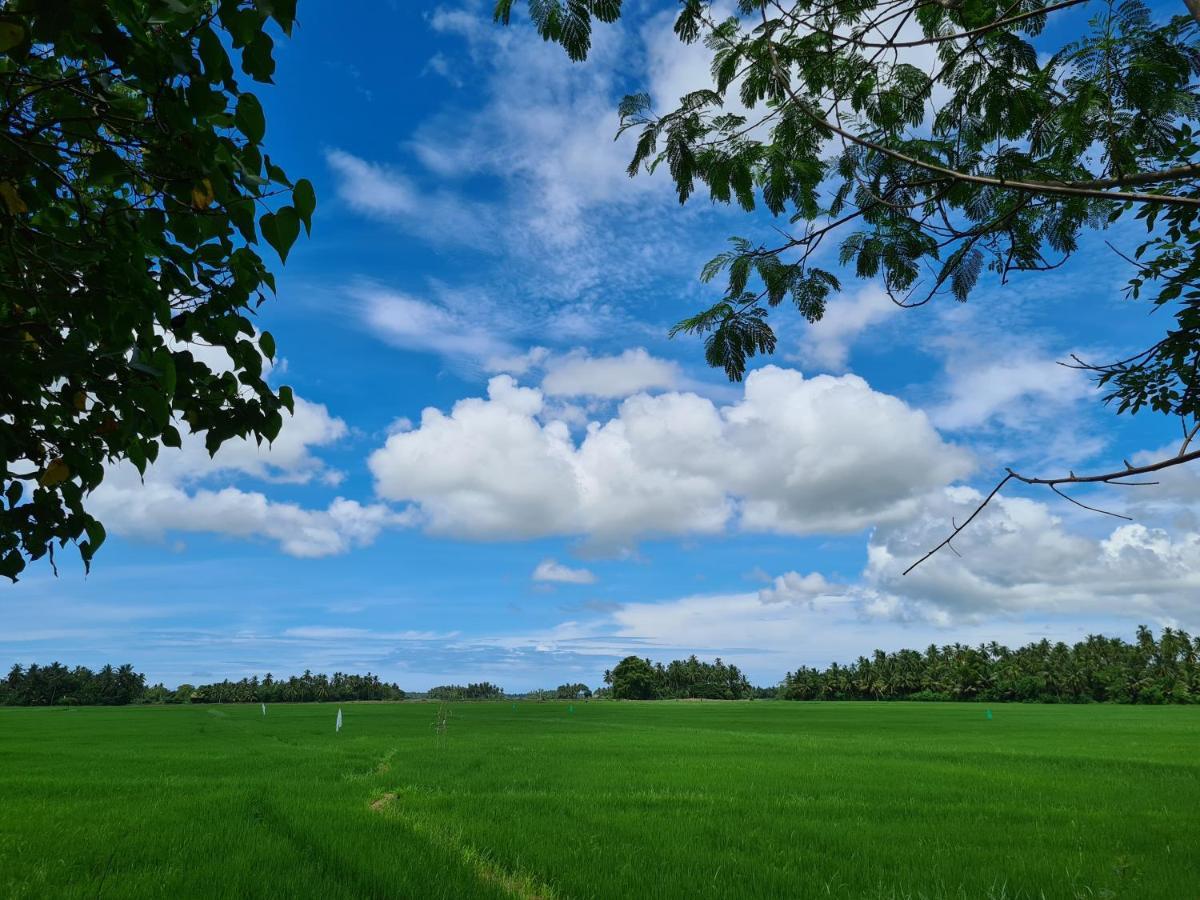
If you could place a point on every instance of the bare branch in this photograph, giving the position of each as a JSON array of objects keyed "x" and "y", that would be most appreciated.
[
  {"x": 1116, "y": 478},
  {"x": 958, "y": 528},
  {"x": 1095, "y": 509}
]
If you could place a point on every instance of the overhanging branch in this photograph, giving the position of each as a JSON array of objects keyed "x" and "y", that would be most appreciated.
[
  {"x": 1091, "y": 189},
  {"x": 1117, "y": 477}
]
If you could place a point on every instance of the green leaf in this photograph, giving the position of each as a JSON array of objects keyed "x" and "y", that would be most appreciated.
[
  {"x": 272, "y": 426},
  {"x": 280, "y": 229},
  {"x": 267, "y": 344},
  {"x": 282, "y": 11},
  {"x": 105, "y": 166},
  {"x": 249, "y": 118},
  {"x": 503, "y": 11},
  {"x": 257, "y": 59},
  {"x": 216, "y": 61},
  {"x": 305, "y": 201}
]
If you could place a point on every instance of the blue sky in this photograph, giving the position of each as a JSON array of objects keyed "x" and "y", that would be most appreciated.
[{"x": 500, "y": 468}]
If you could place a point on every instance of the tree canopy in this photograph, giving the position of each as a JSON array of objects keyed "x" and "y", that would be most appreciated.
[
  {"x": 483, "y": 690},
  {"x": 55, "y": 684},
  {"x": 936, "y": 142},
  {"x": 634, "y": 678},
  {"x": 133, "y": 191}
]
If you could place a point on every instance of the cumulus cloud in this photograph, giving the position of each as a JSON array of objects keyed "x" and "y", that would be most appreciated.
[
  {"x": 1020, "y": 556},
  {"x": 176, "y": 495},
  {"x": 792, "y": 587},
  {"x": 152, "y": 509},
  {"x": 793, "y": 455},
  {"x": 551, "y": 570}
]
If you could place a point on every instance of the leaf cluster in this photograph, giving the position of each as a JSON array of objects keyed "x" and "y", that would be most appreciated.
[
  {"x": 996, "y": 157},
  {"x": 134, "y": 193}
]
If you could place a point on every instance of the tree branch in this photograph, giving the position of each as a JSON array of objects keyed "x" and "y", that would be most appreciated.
[
  {"x": 944, "y": 38},
  {"x": 1071, "y": 478},
  {"x": 1092, "y": 188}
]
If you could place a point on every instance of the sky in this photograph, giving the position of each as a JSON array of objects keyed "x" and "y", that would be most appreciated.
[{"x": 500, "y": 468}]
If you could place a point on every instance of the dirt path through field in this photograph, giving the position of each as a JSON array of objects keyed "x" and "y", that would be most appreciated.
[{"x": 517, "y": 884}]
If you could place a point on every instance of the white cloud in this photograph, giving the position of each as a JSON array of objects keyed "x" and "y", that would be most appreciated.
[
  {"x": 152, "y": 509},
  {"x": 794, "y": 455},
  {"x": 551, "y": 570},
  {"x": 1019, "y": 556},
  {"x": 546, "y": 128},
  {"x": 520, "y": 363},
  {"x": 370, "y": 188},
  {"x": 560, "y": 223},
  {"x": 415, "y": 324},
  {"x": 826, "y": 344},
  {"x": 792, "y": 587},
  {"x": 578, "y": 374},
  {"x": 174, "y": 495},
  {"x": 1011, "y": 390},
  {"x": 289, "y": 458}
]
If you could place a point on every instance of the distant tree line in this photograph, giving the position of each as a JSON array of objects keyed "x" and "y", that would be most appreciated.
[
  {"x": 306, "y": 688},
  {"x": 635, "y": 678},
  {"x": 1095, "y": 670},
  {"x": 55, "y": 684},
  {"x": 484, "y": 690}
]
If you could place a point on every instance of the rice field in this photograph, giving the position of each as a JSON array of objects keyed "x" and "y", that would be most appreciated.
[{"x": 601, "y": 799}]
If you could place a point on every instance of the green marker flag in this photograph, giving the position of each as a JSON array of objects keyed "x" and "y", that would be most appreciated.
[
  {"x": 570, "y": 709},
  {"x": 989, "y": 715}
]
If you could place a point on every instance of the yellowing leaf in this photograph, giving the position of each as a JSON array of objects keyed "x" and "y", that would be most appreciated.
[
  {"x": 12, "y": 200},
  {"x": 56, "y": 473},
  {"x": 202, "y": 195},
  {"x": 80, "y": 401}
]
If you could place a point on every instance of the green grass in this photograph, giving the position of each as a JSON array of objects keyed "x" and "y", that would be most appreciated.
[{"x": 613, "y": 800}]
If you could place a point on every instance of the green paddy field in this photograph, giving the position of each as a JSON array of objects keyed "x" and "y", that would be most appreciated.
[{"x": 759, "y": 799}]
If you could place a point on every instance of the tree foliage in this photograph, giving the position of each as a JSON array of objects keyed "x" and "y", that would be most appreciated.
[
  {"x": 994, "y": 157},
  {"x": 1096, "y": 670},
  {"x": 634, "y": 678},
  {"x": 306, "y": 688},
  {"x": 134, "y": 191},
  {"x": 577, "y": 691},
  {"x": 56, "y": 685},
  {"x": 483, "y": 690}
]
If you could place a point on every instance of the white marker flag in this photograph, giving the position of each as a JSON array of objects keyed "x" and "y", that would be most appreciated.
[
  {"x": 339, "y": 721},
  {"x": 264, "y": 706}
]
